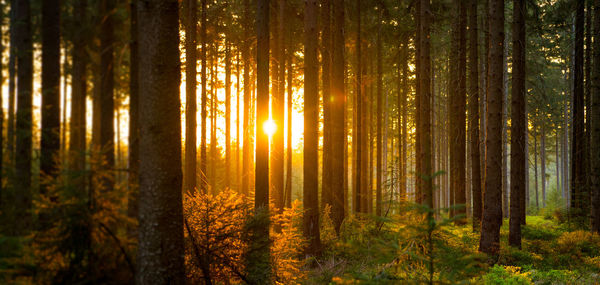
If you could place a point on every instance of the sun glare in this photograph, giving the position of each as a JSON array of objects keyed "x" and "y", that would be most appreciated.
[{"x": 269, "y": 127}]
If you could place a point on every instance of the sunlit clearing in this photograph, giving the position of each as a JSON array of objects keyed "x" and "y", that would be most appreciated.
[{"x": 269, "y": 127}]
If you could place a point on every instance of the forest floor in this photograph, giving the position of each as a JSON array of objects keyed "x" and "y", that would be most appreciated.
[{"x": 552, "y": 252}]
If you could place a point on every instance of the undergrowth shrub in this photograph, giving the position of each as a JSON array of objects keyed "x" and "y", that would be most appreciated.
[
  {"x": 506, "y": 275},
  {"x": 216, "y": 238}
]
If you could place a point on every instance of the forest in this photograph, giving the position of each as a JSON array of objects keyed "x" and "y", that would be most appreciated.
[{"x": 299, "y": 142}]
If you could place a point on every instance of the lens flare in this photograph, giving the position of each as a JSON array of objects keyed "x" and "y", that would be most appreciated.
[{"x": 269, "y": 127}]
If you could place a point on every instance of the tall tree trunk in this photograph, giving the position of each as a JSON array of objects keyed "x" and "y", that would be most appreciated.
[
  {"x": 418, "y": 130},
  {"x": 212, "y": 177},
  {"x": 278, "y": 114},
  {"x": 379, "y": 169},
  {"x": 161, "y": 250},
  {"x": 535, "y": 167},
  {"x": 24, "y": 123},
  {"x": 106, "y": 98},
  {"x": 425, "y": 177},
  {"x": 359, "y": 119},
  {"x": 311, "y": 134},
  {"x": 258, "y": 266},
  {"x": 578, "y": 192},
  {"x": 595, "y": 126},
  {"x": 227, "y": 114},
  {"x": 189, "y": 177},
  {"x": 543, "y": 163},
  {"x": 50, "y": 132},
  {"x": 203, "y": 107},
  {"x": 338, "y": 125},
  {"x": 518, "y": 158},
  {"x": 290, "y": 78},
  {"x": 474, "y": 114},
  {"x": 326, "y": 44},
  {"x": 505, "y": 185},
  {"x": 457, "y": 117},
  {"x": 238, "y": 118},
  {"x": 492, "y": 210},
  {"x": 134, "y": 120},
  {"x": 282, "y": 61},
  {"x": 404, "y": 118},
  {"x": 246, "y": 143}
]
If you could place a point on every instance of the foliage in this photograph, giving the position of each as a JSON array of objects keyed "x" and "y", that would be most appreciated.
[
  {"x": 81, "y": 236},
  {"x": 506, "y": 275},
  {"x": 217, "y": 239}
]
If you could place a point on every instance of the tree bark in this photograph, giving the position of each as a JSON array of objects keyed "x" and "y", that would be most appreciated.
[
  {"x": 578, "y": 209},
  {"x": 189, "y": 177},
  {"x": 50, "y": 132},
  {"x": 106, "y": 129},
  {"x": 258, "y": 266},
  {"x": 24, "y": 122},
  {"x": 326, "y": 44},
  {"x": 492, "y": 210},
  {"x": 474, "y": 114},
  {"x": 595, "y": 124},
  {"x": 161, "y": 250},
  {"x": 518, "y": 158},
  {"x": 247, "y": 94},
  {"x": 278, "y": 114},
  {"x": 379, "y": 167},
  {"x": 311, "y": 129},
  {"x": 338, "y": 125}
]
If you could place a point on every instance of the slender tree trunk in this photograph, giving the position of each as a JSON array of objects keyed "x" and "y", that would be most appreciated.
[
  {"x": 282, "y": 60},
  {"x": 246, "y": 143},
  {"x": 578, "y": 192},
  {"x": 238, "y": 135},
  {"x": 258, "y": 267},
  {"x": 543, "y": 162},
  {"x": 535, "y": 168},
  {"x": 359, "y": 118},
  {"x": 474, "y": 114},
  {"x": 379, "y": 168},
  {"x": 505, "y": 186},
  {"x": 518, "y": 158},
  {"x": 160, "y": 253},
  {"x": 189, "y": 177},
  {"x": 24, "y": 123},
  {"x": 457, "y": 113},
  {"x": 311, "y": 134},
  {"x": 50, "y": 132},
  {"x": 203, "y": 107},
  {"x": 425, "y": 177},
  {"x": 492, "y": 210},
  {"x": 595, "y": 124},
  {"x": 326, "y": 44},
  {"x": 212, "y": 177},
  {"x": 106, "y": 99},
  {"x": 278, "y": 114},
  {"x": 404, "y": 128},
  {"x": 227, "y": 114},
  {"x": 338, "y": 106},
  {"x": 290, "y": 78}
]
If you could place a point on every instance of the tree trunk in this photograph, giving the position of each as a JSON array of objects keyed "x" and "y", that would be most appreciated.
[
  {"x": 311, "y": 133},
  {"x": 189, "y": 177},
  {"x": 246, "y": 143},
  {"x": 203, "y": 107},
  {"x": 543, "y": 162},
  {"x": 578, "y": 192},
  {"x": 227, "y": 114},
  {"x": 326, "y": 44},
  {"x": 518, "y": 158},
  {"x": 338, "y": 106},
  {"x": 258, "y": 266},
  {"x": 24, "y": 123},
  {"x": 492, "y": 210},
  {"x": 212, "y": 177},
  {"x": 359, "y": 118},
  {"x": 535, "y": 168},
  {"x": 50, "y": 132},
  {"x": 161, "y": 250},
  {"x": 424, "y": 178},
  {"x": 290, "y": 78},
  {"x": 379, "y": 169},
  {"x": 278, "y": 114},
  {"x": 106, "y": 98},
  {"x": 595, "y": 126},
  {"x": 474, "y": 115}
]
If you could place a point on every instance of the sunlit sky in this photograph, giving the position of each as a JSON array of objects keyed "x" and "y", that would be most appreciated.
[{"x": 122, "y": 130}]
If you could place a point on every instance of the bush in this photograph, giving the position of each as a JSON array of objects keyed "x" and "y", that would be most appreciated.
[
  {"x": 509, "y": 275},
  {"x": 216, "y": 238}
]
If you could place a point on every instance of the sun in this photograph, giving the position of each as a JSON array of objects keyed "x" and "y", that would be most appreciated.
[{"x": 269, "y": 127}]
